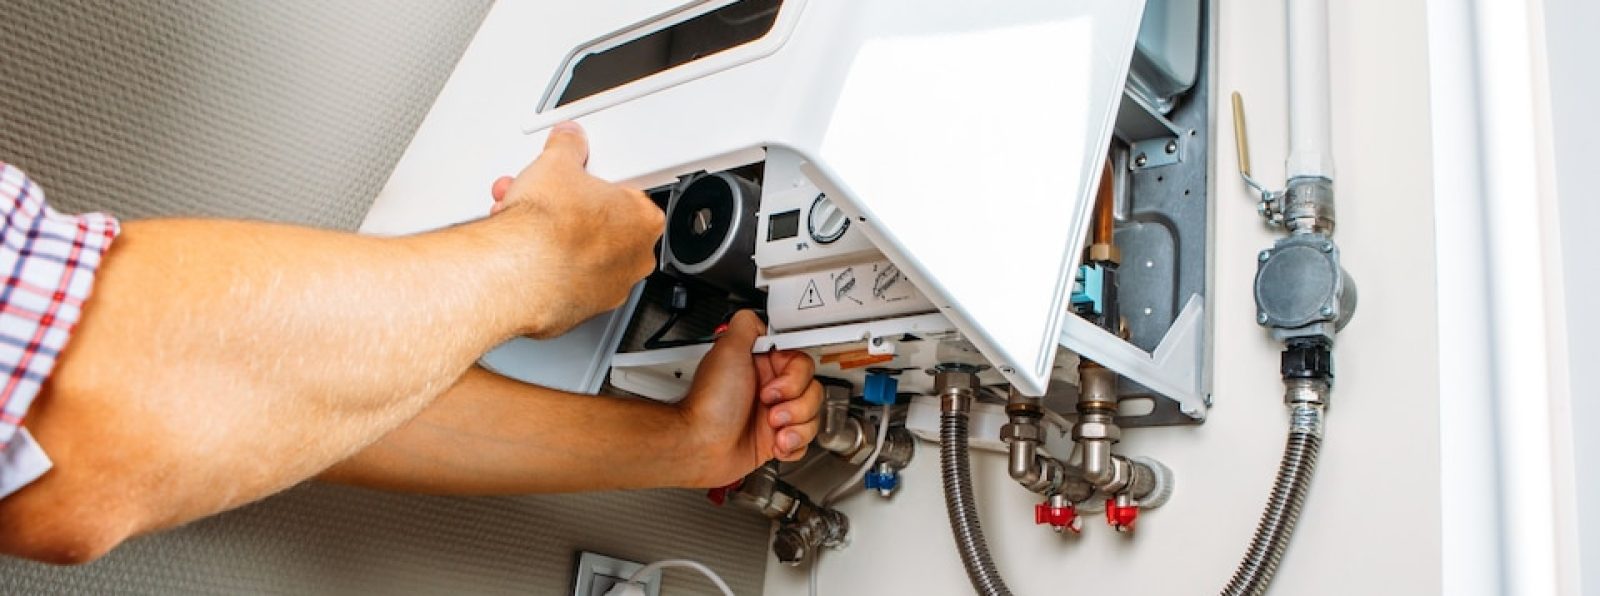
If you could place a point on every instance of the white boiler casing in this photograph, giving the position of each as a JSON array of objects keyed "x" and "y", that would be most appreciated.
[{"x": 963, "y": 138}]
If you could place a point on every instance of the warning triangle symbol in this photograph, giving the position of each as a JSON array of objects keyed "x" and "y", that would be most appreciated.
[{"x": 811, "y": 298}]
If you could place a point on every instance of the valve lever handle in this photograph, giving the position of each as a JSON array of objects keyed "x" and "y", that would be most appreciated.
[{"x": 1241, "y": 141}]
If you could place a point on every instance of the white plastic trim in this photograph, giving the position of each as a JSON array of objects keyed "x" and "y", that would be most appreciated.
[{"x": 1173, "y": 370}]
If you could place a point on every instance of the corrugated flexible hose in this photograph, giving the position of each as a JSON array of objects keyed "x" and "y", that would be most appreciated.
[
  {"x": 1283, "y": 509},
  {"x": 962, "y": 506}
]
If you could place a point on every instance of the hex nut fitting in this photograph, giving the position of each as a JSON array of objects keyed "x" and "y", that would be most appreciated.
[
  {"x": 1021, "y": 432},
  {"x": 1096, "y": 431}
]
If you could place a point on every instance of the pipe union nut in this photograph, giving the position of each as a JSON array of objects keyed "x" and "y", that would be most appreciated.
[
  {"x": 1103, "y": 252},
  {"x": 1096, "y": 430},
  {"x": 1021, "y": 432},
  {"x": 948, "y": 380}
]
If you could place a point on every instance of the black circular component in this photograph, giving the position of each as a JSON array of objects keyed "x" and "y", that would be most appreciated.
[
  {"x": 711, "y": 232},
  {"x": 702, "y": 219},
  {"x": 825, "y": 221}
]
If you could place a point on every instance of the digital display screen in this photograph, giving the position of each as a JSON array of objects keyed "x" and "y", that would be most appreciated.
[
  {"x": 713, "y": 32},
  {"x": 783, "y": 226}
]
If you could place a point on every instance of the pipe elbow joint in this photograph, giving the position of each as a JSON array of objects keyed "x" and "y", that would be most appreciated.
[
  {"x": 842, "y": 437},
  {"x": 1099, "y": 465},
  {"x": 1037, "y": 473},
  {"x": 840, "y": 433},
  {"x": 1100, "y": 478},
  {"x": 1024, "y": 463}
]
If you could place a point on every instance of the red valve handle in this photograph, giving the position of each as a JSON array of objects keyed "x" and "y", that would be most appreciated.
[
  {"x": 719, "y": 495},
  {"x": 1121, "y": 517},
  {"x": 1059, "y": 517}
]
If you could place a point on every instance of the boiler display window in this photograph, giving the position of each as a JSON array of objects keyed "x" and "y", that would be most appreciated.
[{"x": 783, "y": 226}]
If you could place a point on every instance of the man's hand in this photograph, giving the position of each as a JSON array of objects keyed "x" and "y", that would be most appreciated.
[
  {"x": 489, "y": 435},
  {"x": 589, "y": 240},
  {"x": 745, "y": 409}
]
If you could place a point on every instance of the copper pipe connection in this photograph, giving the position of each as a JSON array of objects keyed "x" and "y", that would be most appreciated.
[
  {"x": 1105, "y": 206},
  {"x": 1102, "y": 239}
]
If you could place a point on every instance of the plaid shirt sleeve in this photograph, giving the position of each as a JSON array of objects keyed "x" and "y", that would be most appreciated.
[{"x": 48, "y": 261}]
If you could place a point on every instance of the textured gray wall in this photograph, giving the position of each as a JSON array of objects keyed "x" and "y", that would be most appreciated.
[
  {"x": 297, "y": 111},
  {"x": 286, "y": 110},
  {"x": 334, "y": 540}
]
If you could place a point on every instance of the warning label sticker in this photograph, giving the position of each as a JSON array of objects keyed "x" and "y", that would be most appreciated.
[
  {"x": 812, "y": 298},
  {"x": 844, "y": 282},
  {"x": 846, "y": 293},
  {"x": 886, "y": 284}
]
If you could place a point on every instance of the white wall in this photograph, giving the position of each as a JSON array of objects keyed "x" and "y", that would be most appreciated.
[
  {"x": 1575, "y": 90},
  {"x": 1371, "y": 525}
]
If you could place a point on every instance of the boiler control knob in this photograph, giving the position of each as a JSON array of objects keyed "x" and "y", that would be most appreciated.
[{"x": 825, "y": 221}]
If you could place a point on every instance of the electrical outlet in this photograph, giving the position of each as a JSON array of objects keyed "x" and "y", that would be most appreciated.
[{"x": 597, "y": 574}]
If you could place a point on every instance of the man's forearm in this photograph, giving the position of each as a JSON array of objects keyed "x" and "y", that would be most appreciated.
[
  {"x": 491, "y": 435},
  {"x": 218, "y": 362}
]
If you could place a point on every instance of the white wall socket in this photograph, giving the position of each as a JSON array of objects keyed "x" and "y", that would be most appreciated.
[{"x": 597, "y": 573}]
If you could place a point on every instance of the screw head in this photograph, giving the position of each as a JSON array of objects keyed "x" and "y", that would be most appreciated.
[
  {"x": 1141, "y": 160},
  {"x": 1261, "y": 318},
  {"x": 1172, "y": 147},
  {"x": 1327, "y": 247},
  {"x": 1264, "y": 255},
  {"x": 1327, "y": 311}
]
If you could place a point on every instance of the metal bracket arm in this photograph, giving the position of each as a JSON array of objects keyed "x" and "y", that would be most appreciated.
[{"x": 1172, "y": 371}]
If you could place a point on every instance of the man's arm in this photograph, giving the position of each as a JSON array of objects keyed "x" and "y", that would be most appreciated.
[
  {"x": 493, "y": 435},
  {"x": 218, "y": 362}
]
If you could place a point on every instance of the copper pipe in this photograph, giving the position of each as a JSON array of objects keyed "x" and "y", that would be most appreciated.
[{"x": 1105, "y": 206}]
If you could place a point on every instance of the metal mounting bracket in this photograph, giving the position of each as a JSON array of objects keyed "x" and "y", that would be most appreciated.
[
  {"x": 1173, "y": 371},
  {"x": 1155, "y": 140}
]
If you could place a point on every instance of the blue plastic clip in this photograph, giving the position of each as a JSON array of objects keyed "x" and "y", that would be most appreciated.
[
  {"x": 883, "y": 481},
  {"x": 1089, "y": 288},
  {"x": 880, "y": 389}
]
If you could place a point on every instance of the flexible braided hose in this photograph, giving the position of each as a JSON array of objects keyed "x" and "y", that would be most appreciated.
[
  {"x": 963, "y": 508},
  {"x": 1283, "y": 508}
]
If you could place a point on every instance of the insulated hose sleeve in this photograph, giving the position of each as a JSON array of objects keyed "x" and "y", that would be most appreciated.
[{"x": 962, "y": 507}]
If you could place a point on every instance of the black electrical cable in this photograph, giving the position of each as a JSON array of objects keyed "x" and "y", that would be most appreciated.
[
  {"x": 654, "y": 342},
  {"x": 677, "y": 303}
]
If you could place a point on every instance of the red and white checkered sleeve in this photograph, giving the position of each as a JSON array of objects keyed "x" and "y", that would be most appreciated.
[{"x": 48, "y": 262}]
